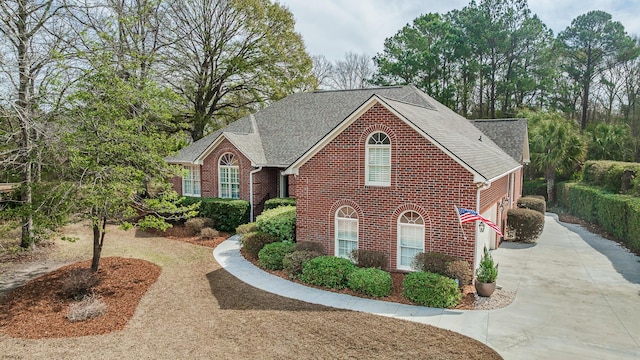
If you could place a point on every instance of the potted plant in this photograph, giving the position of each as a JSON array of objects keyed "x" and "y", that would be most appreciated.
[{"x": 486, "y": 275}]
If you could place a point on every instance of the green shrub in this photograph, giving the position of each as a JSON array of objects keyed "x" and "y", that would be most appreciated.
[
  {"x": 252, "y": 243},
  {"x": 461, "y": 270},
  {"x": 618, "y": 215},
  {"x": 279, "y": 222},
  {"x": 194, "y": 225},
  {"x": 328, "y": 271},
  {"x": 271, "y": 255},
  {"x": 535, "y": 187},
  {"x": 608, "y": 175},
  {"x": 370, "y": 281},
  {"x": 429, "y": 289},
  {"x": 370, "y": 259},
  {"x": 527, "y": 223},
  {"x": 533, "y": 203},
  {"x": 226, "y": 214},
  {"x": 487, "y": 271},
  {"x": 432, "y": 262},
  {"x": 292, "y": 263},
  {"x": 310, "y": 246},
  {"x": 246, "y": 228},
  {"x": 277, "y": 202}
]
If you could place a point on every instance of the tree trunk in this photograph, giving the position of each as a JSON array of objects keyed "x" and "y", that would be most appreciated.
[
  {"x": 98, "y": 240},
  {"x": 550, "y": 177}
]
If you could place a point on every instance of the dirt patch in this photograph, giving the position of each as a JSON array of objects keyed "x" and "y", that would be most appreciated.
[{"x": 38, "y": 309}]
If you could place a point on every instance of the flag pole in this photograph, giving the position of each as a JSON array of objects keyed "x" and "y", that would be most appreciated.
[{"x": 460, "y": 223}]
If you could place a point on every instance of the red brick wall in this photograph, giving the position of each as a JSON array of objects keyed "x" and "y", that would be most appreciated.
[
  {"x": 424, "y": 179},
  {"x": 265, "y": 181},
  {"x": 176, "y": 184}
]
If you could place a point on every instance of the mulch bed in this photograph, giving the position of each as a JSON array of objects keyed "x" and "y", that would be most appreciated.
[
  {"x": 178, "y": 232},
  {"x": 38, "y": 309},
  {"x": 397, "y": 278}
]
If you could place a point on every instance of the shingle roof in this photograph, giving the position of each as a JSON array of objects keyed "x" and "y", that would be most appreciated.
[
  {"x": 462, "y": 140},
  {"x": 510, "y": 134},
  {"x": 287, "y": 129}
]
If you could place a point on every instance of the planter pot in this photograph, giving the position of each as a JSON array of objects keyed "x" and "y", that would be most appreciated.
[{"x": 485, "y": 289}]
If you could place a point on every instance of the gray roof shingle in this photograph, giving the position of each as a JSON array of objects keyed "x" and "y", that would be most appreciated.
[
  {"x": 510, "y": 134},
  {"x": 290, "y": 127}
]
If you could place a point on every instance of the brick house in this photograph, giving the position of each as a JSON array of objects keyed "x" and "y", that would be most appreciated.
[{"x": 378, "y": 169}]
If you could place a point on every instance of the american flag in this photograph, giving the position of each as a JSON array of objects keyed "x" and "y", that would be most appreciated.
[{"x": 466, "y": 215}]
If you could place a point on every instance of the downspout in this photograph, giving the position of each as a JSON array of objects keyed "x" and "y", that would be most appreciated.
[
  {"x": 481, "y": 186},
  {"x": 251, "y": 191}
]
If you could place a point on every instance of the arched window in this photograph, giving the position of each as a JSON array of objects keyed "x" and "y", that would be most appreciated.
[
  {"x": 228, "y": 180},
  {"x": 346, "y": 231},
  {"x": 410, "y": 238},
  {"x": 378, "y": 154}
]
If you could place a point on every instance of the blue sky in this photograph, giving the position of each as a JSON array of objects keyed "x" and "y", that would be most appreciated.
[{"x": 334, "y": 27}]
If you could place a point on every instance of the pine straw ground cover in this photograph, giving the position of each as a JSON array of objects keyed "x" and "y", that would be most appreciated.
[{"x": 196, "y": 309}]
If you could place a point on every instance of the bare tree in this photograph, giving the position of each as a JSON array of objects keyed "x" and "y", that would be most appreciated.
[
  {"x": 30, "y": 43},
  {"x": 228, "y": 56},
  {"x": 352, "y": 72},
  {"x": 323, "y": 71}
]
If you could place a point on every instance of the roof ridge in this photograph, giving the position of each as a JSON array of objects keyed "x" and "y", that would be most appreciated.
[
  {"x": 428, "y": 106},
  {"x": 320, "y": 91}
]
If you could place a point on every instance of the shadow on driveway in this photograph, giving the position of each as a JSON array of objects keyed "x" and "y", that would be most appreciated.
[
  {"x": 624, "y": 262},
  {"x": 233, "y": 294}
]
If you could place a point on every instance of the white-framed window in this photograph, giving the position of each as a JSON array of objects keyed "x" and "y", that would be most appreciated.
[
  {"x": 378, "y": 160},
  {"x": 191, "y": 181},
  {"x": 228, "y": 178},
  {"x": 410, "y": 238},
  {"x": 346, "y": 231}
]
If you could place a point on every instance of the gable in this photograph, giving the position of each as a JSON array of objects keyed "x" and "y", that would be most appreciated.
[{"x": 453, "y": 135}]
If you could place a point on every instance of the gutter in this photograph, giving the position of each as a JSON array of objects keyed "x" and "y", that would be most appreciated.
[
  {"x": 481, "y": 186},
  {"x": 251, "y": 190}
]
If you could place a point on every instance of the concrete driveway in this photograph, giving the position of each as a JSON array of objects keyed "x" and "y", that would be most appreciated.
[{"x": 578, "y": 297}]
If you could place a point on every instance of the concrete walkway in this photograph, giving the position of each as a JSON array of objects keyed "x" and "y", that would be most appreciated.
[{"x": 578, "y": 297}]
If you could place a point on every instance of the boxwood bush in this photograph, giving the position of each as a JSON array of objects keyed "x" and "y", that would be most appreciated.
[
  {"x": 446, "y": 265},
  {"x": 429, "y": 289},
  {"x": 226, "y": 214},
  {"x": 370, "y": 281},
  {"x": 328, "y": 271},
  {"x": 277, "y": 202},
  {"x": 293, "y": 262},
  {"x": 534, "y": 203},
  {"x": 271, "y": 255},
  {"x": 246, "y": 228},
  {"x": 527, "y": 223},
  {"x": 370, "y": 259},
  {"x": 535, "y": 187},
  {"x": 279, "y": 222},
  {"x": 253, "y": 242}
]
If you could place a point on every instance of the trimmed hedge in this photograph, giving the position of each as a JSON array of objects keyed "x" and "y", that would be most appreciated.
[
  {"x": 527, "y": 223},
  {"x": 619, "y": 215},
  {"x": 429, "y": 289},
  {"x": 293, "y": 262},
  {"x": 227, "y": 214},
  {"x": 608, "y": 175},
  {"x": 370, "y": 281},
  {"x": 277, "y": 202},
  {"x": 253, "y": 242},
  {"x": 533, "y": 203},
  {"x": 279, "y": 222},
  {"x": 370, "y": 259},
  {"x": 328, "y": 271},
  {"x": 271, "y": 255},
  {"x": 246, "y": 228},
  {"x": 534, "y": 187}
]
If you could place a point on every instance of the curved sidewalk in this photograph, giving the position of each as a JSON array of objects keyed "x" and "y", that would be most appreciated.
[{"x": 578, "y": 296}]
